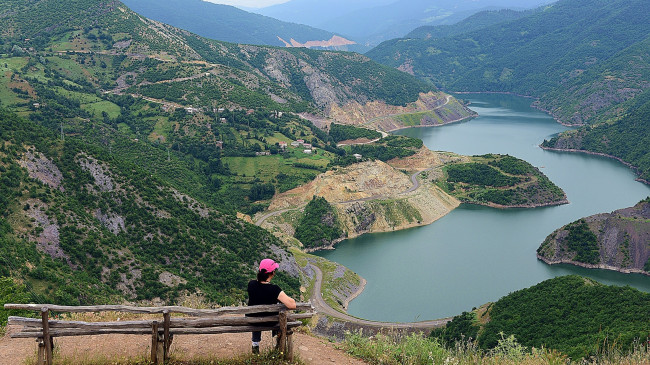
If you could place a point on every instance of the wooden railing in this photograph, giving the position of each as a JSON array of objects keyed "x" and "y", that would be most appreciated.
[{"x": 203, "y": 321}]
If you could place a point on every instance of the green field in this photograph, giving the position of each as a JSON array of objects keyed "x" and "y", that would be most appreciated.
[
  {"x": 8, "y": 66},
  {"x": 266, "y": 168},
  {"x": 162, "y": 128},
  {"x": 102, "y": 106},
  {"x": 124, "y": 129},
  {"x": 70, "y": 68}
]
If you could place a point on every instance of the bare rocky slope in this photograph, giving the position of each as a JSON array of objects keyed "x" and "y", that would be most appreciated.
[
  {"x": 619, "y": 240},
  {"x": 431, "y": 109},
  {"x": 372, "y": 196}
]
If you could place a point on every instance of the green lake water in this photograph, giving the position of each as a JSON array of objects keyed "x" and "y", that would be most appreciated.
[{"x": 475, "y": 254}]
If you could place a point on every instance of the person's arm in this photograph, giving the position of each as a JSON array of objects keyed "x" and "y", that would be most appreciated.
[{"x": 289, "y": 302}]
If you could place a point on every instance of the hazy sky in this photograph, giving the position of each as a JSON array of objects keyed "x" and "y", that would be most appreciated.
[{"x": 249, "y": 3}]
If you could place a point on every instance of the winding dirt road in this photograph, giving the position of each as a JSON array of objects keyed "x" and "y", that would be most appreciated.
[{"x": 322, "y": 307}]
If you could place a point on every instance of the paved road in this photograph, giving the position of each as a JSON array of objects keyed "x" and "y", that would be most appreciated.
[{"x": 322, "y": 307}]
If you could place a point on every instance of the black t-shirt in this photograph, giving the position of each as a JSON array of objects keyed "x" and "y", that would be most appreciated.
[{"x": 261, "y": 294}]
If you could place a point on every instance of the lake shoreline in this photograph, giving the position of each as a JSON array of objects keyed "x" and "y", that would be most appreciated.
[
  {"x": 520, "y": 206},
  {"x": 484, "y": 252},
  {"x": 460, "y": 120},
  {"x": 592, "y": 266},
  {"x": 632, "y": 167}
]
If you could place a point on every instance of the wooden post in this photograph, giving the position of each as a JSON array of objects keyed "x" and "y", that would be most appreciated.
[
  {"x": 282, "y": 335},
  {"x": 46, "y": 335},
  {"x": 166, "y": 340},
  {"x": 161, "y": 348},
  {"x": 154, "y": 343},
  {"x": 41, "y": 351},
  {"x": 289, "y": 354}
]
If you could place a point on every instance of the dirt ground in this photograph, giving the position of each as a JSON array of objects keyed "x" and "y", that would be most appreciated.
[{"x": 311, "y": 350}]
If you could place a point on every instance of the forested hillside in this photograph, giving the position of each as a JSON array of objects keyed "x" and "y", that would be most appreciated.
[
  {"x": 120, "y": 46},
  {"x": 586, "y": 61},
  {"x": 127, "y": 146},
  {"x": 220, "y": 103},
  {"x": 531, "y": 55},
  {"x": 627, "y": 139},
  {"x": 477, "y": 21},
  {"x": 83, "y": 224},
  {"x": 575, "y": 315}
]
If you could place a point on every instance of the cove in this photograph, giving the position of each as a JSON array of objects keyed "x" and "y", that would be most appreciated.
[{"x": 475, "y": 254}]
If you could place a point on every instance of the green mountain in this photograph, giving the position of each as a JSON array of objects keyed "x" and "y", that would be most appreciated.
[
  {"x": 586, "y": 61},
  {"x": 603, "y": 92},
  {"x": 128, "y": 145},
  {"x": 627, "y": 138},
  {"x": 575, "y": 315},
  {"x": 108, "y": 31},
  {"x": 474, "y": 22},
  {"x": 531, "y": 55},
  {"x": 228, "y": 23}
]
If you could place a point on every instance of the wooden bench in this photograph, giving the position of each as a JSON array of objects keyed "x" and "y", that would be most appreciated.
[{"x": 197, "y": 321}]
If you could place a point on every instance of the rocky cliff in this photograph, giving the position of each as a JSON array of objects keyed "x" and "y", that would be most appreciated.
[{"x": 615, "y": 241}]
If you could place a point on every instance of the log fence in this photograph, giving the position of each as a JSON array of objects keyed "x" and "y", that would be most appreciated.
[{"x": 200, "y": 321}]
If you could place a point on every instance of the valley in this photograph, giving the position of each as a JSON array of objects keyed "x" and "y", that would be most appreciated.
[
  {"x": 477, "y": 254},
  {"x": 152, "y": 157}
]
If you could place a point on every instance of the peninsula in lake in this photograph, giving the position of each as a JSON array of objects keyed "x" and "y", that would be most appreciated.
[{"x": 613, "y": 241}]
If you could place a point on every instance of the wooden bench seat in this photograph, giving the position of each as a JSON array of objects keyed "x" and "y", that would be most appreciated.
[{"x": 200, "y": 321}]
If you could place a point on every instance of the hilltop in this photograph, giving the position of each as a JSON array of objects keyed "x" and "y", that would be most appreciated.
[
  {"x": 614, "y": 241},
  {"x": 577, "y": 316}
]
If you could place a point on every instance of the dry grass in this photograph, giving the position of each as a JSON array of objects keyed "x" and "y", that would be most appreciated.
[{"x": 418, "y": 349}]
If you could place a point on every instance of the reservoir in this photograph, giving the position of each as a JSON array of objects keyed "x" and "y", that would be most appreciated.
[{"x": 475, "y": 254}]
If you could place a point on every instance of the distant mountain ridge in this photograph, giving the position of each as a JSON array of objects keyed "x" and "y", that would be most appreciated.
[
  {"x": 530, "y": 55},
  {"x": 477, "y": 21},
  {"x": 230, "y": 24},
  {"x": 373, "y": 22}
]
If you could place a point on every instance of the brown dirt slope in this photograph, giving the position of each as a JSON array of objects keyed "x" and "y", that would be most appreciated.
[{"x": 371, "y": 196}]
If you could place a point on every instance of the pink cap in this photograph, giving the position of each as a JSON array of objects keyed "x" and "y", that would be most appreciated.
[{"x": 268, "y": 265}]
